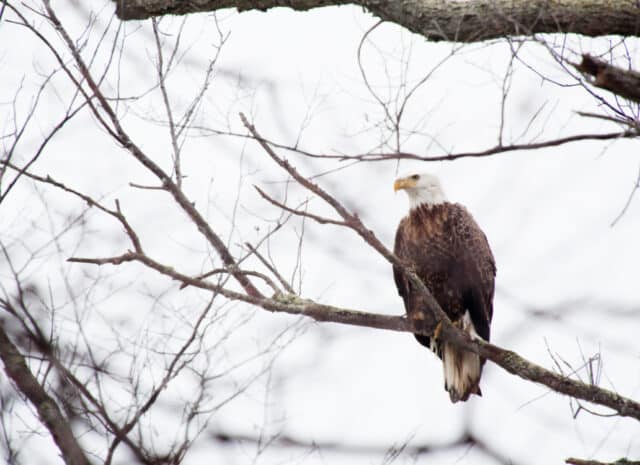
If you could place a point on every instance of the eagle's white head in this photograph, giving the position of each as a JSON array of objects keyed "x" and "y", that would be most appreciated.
[{"x": 422, "y": 188}]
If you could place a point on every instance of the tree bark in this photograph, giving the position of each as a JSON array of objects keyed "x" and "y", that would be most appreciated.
[
  {"x": 442, "y": 20},
  {"x": 294, "y": 305},
  {"x": 574, "y": 461},
  {"x": 622, "y": 82},
  {"x": 49, "y": 412}
]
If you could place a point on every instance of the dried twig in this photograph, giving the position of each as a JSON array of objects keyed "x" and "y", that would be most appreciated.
[
  {"x": 635, "y": 188},
  {"x": 317, "y": 218},
  {"x": 285, "y": 284}
]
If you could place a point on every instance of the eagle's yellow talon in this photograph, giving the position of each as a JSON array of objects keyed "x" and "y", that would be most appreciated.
[{"x": 438, "y": 330}]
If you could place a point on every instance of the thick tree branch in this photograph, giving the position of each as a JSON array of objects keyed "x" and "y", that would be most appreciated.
[
  {"x": 508, "y": 360},
  {"x": 622, "y": 82},
  {"x": 575, "y": 461},
  {"x": 49, "y": 412},
  {"x": 469, "y": 21}
]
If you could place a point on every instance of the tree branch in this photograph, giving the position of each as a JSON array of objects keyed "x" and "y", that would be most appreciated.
[
  {"x": 622, "y": 82},
  {"x": 48, "y": 411},
  {"x": 466, "y": 439},
  {"x": 121, "y": 136},
  {"x": 508, "y": 360},
  {"x": 437, "y": 20},
  {"x": 317, "y": 218},
  {"x": 495, "y": 150},
  {"x": 575, "y": 461}
]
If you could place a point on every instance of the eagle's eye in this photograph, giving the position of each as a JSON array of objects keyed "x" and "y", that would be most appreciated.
[{"x": 415, "y": 177}]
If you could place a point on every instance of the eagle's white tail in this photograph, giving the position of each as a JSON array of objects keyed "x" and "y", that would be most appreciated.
[{"x": 462, "y": 369}]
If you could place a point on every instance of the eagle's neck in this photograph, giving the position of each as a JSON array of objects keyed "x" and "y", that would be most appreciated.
[{"x": 424, "y": 197}]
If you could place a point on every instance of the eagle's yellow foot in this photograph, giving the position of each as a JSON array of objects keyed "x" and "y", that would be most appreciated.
[{"x": 438, "y": 330}]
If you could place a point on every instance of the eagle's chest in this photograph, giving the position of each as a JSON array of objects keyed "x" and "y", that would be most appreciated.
[
  {"x": 430, "y": 247},
  {"x": 433, "y": 255}
]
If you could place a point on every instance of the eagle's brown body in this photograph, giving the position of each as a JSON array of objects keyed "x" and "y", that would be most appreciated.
[{"x": 450, "y": 253}]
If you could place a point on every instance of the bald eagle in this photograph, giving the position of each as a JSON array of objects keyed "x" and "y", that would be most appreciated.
[{"x": 447, "y": 249}]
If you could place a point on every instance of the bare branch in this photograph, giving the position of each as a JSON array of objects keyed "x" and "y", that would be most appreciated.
[
  {"x": 508, "y": 360},
  {"x": 470, "y": 21},
  {"x": 257, "y": 274},
  {"x": 123, "y": 138},
  {"x": 635, "y": 188},
  {"x": 162, "y": 76},
  {"x": 49, "y": 412},
  {"x": 633, "y": 132},
  {"x": 466, "y": 439},
  {"x": 622, "y": 82},
  {"x": 89, "y": 200},
  {"x": 271, "y": 268},
  {"x": 484, "y": 153},
  {"x": 575, "y": 461},
  {"x": 319, "y": 219},
  {"x": 474, "y": 20}
]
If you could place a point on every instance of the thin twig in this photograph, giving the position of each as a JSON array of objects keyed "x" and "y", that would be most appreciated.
[
  {"x": 119, "y": 134},
  {"x": 271, "y": 268},
  {"x": 284, "y": 440},
  {"x": 317, "y": 218},
  {"x": 390, "y": 156},
  {"x": 636, "y": 186}
]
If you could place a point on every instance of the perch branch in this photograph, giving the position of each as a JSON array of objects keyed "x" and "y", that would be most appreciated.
[
  {"x": 292, "y": 304},
  {"x": 508, "y": 360}
]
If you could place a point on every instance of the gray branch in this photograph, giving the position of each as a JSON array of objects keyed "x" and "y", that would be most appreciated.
[
  {"x": 16, "y": 368},
  {"x": 438, "y": 20},
  {"x": 466, "y": 439},
  {"x": 506, "y": 359},
  {"x": 574, "y": 461}
]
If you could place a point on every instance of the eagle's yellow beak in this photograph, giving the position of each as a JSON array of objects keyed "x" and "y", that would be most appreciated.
[{"x": 403, "y": 183}]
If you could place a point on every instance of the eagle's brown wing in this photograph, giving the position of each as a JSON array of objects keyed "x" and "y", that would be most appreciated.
[
  {"x": 459, "y": 255},
  {"x": 411, "y": 301},
  {"x": 398, "y": 250},
  {"x": 476, "y": 268}
]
